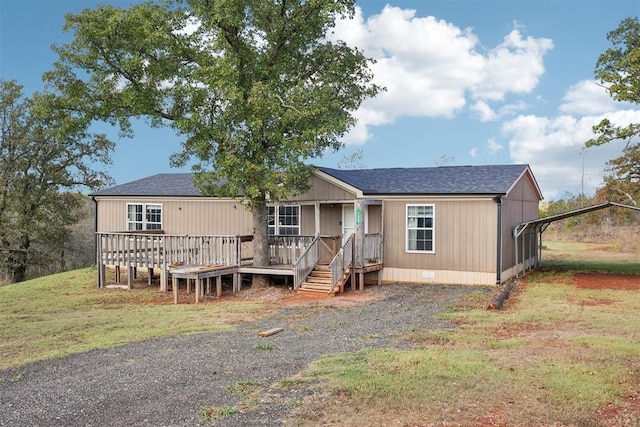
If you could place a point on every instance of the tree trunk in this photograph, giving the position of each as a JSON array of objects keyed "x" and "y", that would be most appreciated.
[
  {"x": 20, "y": 260},
  {"x": 260, "y": 243}
]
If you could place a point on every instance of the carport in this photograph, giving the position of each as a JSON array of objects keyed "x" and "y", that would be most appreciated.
[{"x": 524, "y": 232}]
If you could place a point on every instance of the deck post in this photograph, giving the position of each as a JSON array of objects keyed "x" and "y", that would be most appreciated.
[
  {"x": 174, "y": 283},
  {"x": 316, "y": 213},
  {"x": 164, "y": 285},
  {"x": 359, "y": 208},
  {"x": 353, "y": 263},
  {"x": 100, "y": 262},
  {"x": 130, "y": 272},
  {"x": 219, "y": 286}
]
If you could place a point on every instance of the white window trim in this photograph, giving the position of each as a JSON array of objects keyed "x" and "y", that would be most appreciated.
[
  {"x": 144, "y": 216},
  {"x": 276, "y": 224},
  {"x": 433, "y": 229}
]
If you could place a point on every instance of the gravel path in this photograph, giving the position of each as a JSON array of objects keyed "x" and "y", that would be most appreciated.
[{"x": 164, "y": 382}]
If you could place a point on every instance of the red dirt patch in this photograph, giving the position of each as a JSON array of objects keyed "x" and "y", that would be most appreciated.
[{"x": 606, "y": 281}]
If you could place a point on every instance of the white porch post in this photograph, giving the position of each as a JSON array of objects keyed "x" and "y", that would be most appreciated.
[
  {"x": 316, "y": 212},
  {"x": 358, "y": 214}
]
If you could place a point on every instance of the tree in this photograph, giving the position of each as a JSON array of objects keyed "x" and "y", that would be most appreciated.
[
  {"x": 354, "y": 160},
  {"x": 44, "y": 155},
  {"x": 255, "y": 87},
  {"x": 618, "y": 69}
]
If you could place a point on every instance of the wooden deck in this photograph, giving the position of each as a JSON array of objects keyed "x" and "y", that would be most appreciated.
[
  {"x": 199, "y": 259},
  {"x": 200, "y": 274}
]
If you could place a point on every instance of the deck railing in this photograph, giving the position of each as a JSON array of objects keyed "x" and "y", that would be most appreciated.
[
  {"x": 158, "y": 250},
  {"x": 287, "y": 249},
  {"x": 373, "y": 248},
  {"x": 305, "y": 263},
  {"x": 341, "y": 262}
]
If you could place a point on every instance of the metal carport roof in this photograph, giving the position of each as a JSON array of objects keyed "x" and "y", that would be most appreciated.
[{"x": 541, "y": 224}]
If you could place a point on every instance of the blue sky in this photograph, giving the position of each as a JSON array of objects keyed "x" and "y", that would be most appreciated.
[{"x": 469, "y": 82}]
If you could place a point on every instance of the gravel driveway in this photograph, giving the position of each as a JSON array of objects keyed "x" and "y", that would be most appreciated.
[{"x": 165, "y": 382}]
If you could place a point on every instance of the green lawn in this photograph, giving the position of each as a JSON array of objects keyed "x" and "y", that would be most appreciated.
[{"x": 66, "y": 313}]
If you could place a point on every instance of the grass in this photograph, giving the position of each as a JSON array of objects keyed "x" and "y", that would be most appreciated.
[
  {"x": 557, "y": 355},
  {"x": 580, "y": 256},
  {"x": 210, "y": 413},
  {"x": 65, "y": 313},
  {"x": 264, "y": 346}
]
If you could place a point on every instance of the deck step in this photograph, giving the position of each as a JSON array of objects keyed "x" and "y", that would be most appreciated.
[
  {"x": 312, "y": 285},
  {"x": 315, "y": 291},
  {"x": 326, "y": 280},
  {"x": 320, "y": 273}
]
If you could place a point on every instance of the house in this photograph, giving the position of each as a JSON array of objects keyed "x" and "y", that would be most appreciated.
[{"x": 446, "y": 224}]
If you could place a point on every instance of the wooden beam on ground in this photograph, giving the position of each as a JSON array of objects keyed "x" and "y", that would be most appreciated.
[{"x": 270, "y": 332}]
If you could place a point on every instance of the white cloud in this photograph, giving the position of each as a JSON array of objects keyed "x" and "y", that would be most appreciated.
[
  {"x": 485, "y": 113},
  {"x": 554, "y": 147},
  {"x": 473, "y": 152},
  {"x": 514, "y": 66},
  {"x": 493, "y": 146},
  {"x": 586, "y": 97},
  {"x": 430, "y": 67}
]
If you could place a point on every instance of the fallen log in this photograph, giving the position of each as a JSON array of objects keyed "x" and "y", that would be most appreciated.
[{"x": 499, "y": 300}]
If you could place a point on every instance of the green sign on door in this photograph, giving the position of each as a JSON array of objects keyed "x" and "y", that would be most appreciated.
[{"x": 358, "y": 216}]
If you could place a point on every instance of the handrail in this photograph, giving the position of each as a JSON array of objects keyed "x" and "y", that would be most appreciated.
[
  {"x": 305, "y": 263},
  {"x": 341, "y": 262}
]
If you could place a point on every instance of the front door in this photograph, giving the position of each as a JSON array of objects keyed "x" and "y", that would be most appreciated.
[{"x": 348, "y": 222}]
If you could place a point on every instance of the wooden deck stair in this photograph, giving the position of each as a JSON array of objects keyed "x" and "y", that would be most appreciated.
[{"x": 319, "y": 281}]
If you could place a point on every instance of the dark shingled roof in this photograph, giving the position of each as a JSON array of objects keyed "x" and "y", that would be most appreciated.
[
  {"x": 164, "y": 184},
  {"x": 496, "y": 179},
  {"x": 441, "y": 180}
]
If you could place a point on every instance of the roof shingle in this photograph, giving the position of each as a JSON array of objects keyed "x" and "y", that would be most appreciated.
[
  {"x": 491, "y": 179},
  {"x": 441, "y": 180}
]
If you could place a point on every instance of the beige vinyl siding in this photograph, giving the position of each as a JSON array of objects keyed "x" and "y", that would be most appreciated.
[
  {"x": 181, "y": 216},
  {"x": 321, "y": 190},
  {"x": 374, "y": 218},
  {"x": 520, "y": 205},
  {"x": 307, "y": 220},
  {"x": 464, "y": 236}
]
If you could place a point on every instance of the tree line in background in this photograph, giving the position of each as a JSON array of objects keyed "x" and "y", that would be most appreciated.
[
  {"x": 255, "y": 88},
  {"x": 618, "y": 70},
  {"x": 45, "y": 160}
]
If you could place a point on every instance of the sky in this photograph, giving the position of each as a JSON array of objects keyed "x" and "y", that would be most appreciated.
[{"x": 468, "y": 82}]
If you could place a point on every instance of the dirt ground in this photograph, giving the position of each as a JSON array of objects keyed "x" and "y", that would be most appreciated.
[{"x": 607, "y": 281}]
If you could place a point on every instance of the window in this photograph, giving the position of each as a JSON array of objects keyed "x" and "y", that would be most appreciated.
[
  {"x": 144, "y": 217},
  {"x": 420, "y": 228},
  {"x": 284, "y": 220}
]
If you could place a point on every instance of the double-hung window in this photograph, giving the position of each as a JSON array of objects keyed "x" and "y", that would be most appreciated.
[
  {"x": 284, "y": 219},
  {"x": 142, "y": 216},
  {"x": 420, "y": 227}
]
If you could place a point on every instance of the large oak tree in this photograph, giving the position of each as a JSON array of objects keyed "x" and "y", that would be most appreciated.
[{"x": 252, "y": 87}]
